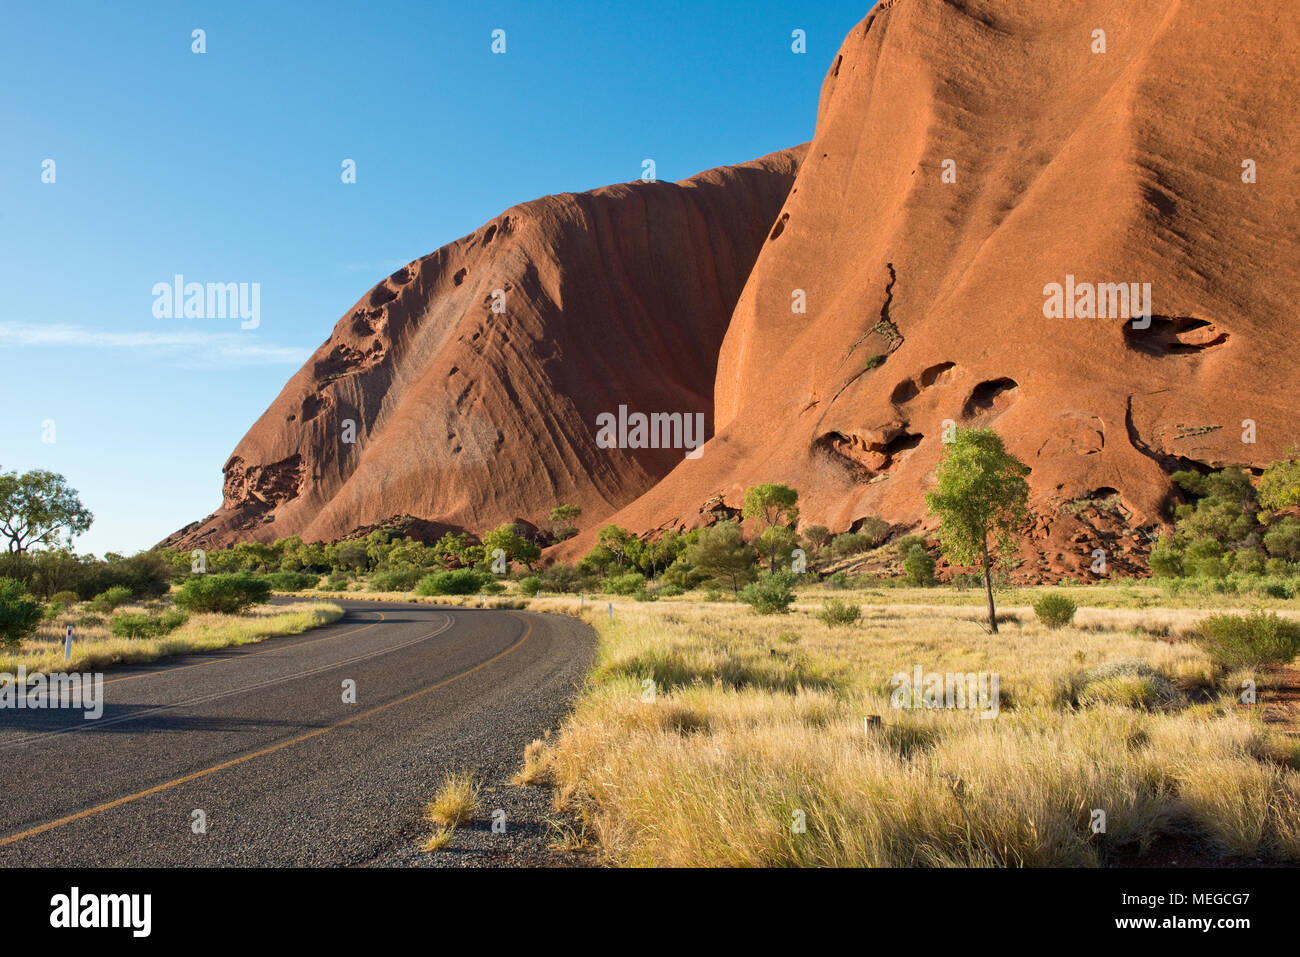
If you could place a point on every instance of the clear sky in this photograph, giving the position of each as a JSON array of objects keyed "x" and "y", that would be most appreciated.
[{"x": 226, "y": 167}]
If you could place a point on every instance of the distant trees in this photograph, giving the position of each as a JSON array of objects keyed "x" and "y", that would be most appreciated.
[
  {"x": 40, "y": 508},
  {"x": 981, "y": 498}
]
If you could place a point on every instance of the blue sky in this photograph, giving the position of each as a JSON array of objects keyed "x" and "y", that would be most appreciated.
[{"x": 225, "y": 167}]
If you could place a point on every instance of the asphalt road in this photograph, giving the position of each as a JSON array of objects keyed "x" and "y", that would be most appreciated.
[{"x": 285, "y": 772}]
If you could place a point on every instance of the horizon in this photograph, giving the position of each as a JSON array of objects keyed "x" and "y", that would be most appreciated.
[{"x": 168, "y": 162}]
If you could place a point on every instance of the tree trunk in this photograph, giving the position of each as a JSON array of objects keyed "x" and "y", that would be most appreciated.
[{"x": 988, "y": 590}]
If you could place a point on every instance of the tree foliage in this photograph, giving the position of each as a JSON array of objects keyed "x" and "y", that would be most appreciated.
[{"x": 40, "y": 508}]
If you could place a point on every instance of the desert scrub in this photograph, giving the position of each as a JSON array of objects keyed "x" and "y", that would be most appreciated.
[
  {"x": 20, "y": 613},
  {"x": 1248, "y": 641},
  {"x": 454, "y": 803},
  {"x": 1055, "y": 610},
  {"x": 770, "y": 595},
  {"x": 95, "y": 646},
  {"x": 111, "y": 599},
  {"x": 462, "y": 581},
  {"x": 747, "y": 728},
  {"x": 223, "y": 594},
  {"x": 837, "y": 612},
  {"x": 145, "y": 625}
]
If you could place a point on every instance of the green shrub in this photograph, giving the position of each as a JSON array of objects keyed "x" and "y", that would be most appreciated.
[
  {"x": 771, "y": 594},
  {"x": 918, "y": 566},
  {"x": 227, "y": 594},
  {"x": 396, "y": 579},
  {"x": 65, "y": 598},
  {"x": 561, "y": 578},
  {"x": 492, "y": 588},
  {"x": 839, "y": 580},
  {"x": 1249, "y": 641},
  {"x": 1055, "y": 610},
  {"x": 133, "y": 625},
  {"x": 1283, "y": 539},
  {"x": 629, "y": 584},
  {"x": 20, "y": 613},
  {"x": 1165, "y": 561},
  {"x": 671, "y": 591},
  {"x": 290, "y": 581},
  {"x": 837, "y": 612},
  {"x": 851, "y": 543},
  {"x": 874, "y": 529},
  {"x": 682, "y": 574},
  {"x": 460, "y": 581},
  {"x": 333, "y": 584},
  {"x": 530, "y": 584},
  {"x": 110, "y": 599}
]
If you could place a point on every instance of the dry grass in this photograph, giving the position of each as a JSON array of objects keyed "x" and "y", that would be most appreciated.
[
  {"x": 438, "y": 839},
  {"x": 454, "y": 803},
  {"x": 756, "y": 724},
  {"x": 94, "y": 646}
]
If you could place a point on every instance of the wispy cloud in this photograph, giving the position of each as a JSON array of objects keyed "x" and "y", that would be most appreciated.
[{"x": 189, "y": 347}]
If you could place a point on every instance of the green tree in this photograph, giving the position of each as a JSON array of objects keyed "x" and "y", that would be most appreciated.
[
  {"x": 618, "y": 541},
  {"x": 562, "y": 521},
  {"x": 981, "y": 498},
  {"x": 517, "y": 548},
  {"x": 1279, "y": 486},
  {"x": 817, "y": 537},
  {"x": 774, "y": 509},
  {"x": 40, "y": 508},
  {"x": 720, "y": 553}
]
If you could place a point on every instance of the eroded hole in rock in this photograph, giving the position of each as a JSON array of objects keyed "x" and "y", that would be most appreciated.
[
  {"x": 460, "y": 275},
  {"x": 314, "y": 405},
  {"x": 995, "y": 395},
  {"x": 938, "y": 373},
  {"x": 904, "y": 391},
  {"x": 1174, "y": 335},
  {"x": 903, "y": 442},
  {"x": 489, "y": 233},
  {"x": 779, "y": 228},
  {"x": 381, "y": 294},
  {"x": 876, "y": 450},
  {"x": 402, "y": 276}
]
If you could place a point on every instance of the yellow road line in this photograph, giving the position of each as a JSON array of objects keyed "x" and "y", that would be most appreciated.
[
  {"x": 108, "y": 806},
  {"x": 250, "y": 654}
]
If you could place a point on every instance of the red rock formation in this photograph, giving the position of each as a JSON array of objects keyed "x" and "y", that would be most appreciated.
[
  {"x": 1111, "y": 167},
  {"x": 968, "y": 154},
  {"x": 471, "y": 417}
]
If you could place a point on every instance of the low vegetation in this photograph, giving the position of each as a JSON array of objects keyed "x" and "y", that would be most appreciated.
[
  {"x": 752, "y": 748},
  {"x": 98, "y": 642}
]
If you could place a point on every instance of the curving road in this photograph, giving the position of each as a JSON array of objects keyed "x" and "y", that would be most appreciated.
[{"x": 285, "y": 772}]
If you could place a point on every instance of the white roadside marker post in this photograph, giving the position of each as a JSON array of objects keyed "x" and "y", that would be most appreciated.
[{"x": 67, "y": 645}]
